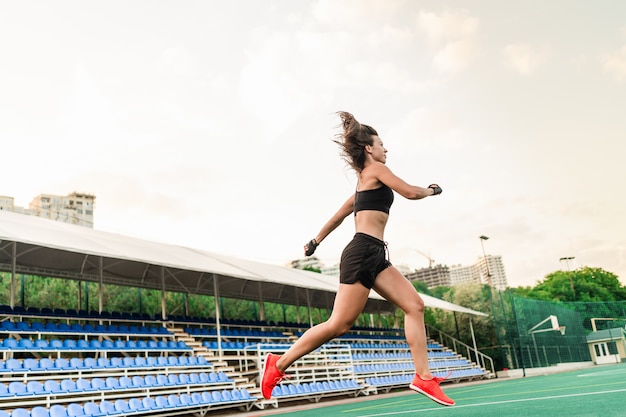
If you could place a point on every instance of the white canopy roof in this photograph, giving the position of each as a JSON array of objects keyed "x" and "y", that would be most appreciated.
[{"x": 33, "y": 245}]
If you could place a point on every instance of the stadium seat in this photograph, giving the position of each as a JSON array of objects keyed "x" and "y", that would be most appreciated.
[
  {"x": 39, "y": 411},
  {"x": 138, "y": 381},
  {"x": 107, "y": 407},
  {"x": 149, "y": 404},
  {"x": 83, "y": 385},
  {"x": 4, "y": 414},
  {"x": 35, "y": 387},
  {"x": 122, "y": 407},
  {"x": 17, "y": 388},
  {"x": 207, "y": 397},
  {"x": 52, "y": 386},
  {"x": 125, "y": 382},
  {"x": 98, "y": 384},
  {"x": 92, "y": 409},
  {"x": 136, "y": 406},
  {"x": 162, "y": 402},
  {"x": 20, "y": 412},
  {"x": 174, "y": 400},
  {"x": 90, "y": 363},
  {"x": 30, "y": 364},
  {"x": 68, "y": 385},
  {"x": 4, "y": 391},
  {"x": 112, "y": 383},
  {"x": 74, "y": 410},
  {"x": 196, "y": 398}
]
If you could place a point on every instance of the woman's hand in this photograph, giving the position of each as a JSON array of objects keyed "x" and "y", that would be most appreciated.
[{"x": 310, "y": 247}]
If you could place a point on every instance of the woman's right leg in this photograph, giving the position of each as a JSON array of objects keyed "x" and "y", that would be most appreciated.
[{"x": 349, "y": 302}]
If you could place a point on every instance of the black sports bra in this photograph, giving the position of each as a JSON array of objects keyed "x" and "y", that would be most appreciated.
[{"x": 378, "y": 199}]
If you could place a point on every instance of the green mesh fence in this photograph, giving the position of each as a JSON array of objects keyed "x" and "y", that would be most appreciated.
[{"x": 527, "y": 338}]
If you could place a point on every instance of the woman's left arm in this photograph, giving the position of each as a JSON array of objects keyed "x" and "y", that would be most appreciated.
[{"x": 406, "y": 190}]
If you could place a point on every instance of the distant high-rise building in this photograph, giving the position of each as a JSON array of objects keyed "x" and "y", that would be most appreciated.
[
  {"x": 442, "y": 275},
  {"x": 437, "y": 275},
  {"x": 433, "y": 276},
  {"x": 75, "y": 208}
]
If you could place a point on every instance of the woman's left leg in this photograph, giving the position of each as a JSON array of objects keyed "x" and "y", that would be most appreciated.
[{"x": 395, "y": 288}]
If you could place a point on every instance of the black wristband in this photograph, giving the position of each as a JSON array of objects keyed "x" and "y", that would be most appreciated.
[
  {"x": 437, "y": 189},
  {"x": 310, "y": 247}
]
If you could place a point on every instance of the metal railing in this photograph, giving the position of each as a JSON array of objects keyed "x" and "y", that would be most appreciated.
[{"x": 482, "y": 360}]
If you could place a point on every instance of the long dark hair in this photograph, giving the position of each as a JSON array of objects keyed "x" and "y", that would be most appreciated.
[{"x": 353, "y": 140}]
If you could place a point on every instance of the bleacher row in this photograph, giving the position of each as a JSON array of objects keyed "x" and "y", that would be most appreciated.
[{"x": 58, "y": 364}]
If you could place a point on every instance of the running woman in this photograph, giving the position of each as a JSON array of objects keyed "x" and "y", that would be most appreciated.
[{"x": 364, "y": 263}]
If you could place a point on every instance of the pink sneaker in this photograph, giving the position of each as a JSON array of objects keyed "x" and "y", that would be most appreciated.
[
  {"x": 431, "y": 389},
  {"x": 271, "y": 375}
]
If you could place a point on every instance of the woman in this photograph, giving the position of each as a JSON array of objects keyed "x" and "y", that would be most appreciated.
[{"x": 364, "y": 262}]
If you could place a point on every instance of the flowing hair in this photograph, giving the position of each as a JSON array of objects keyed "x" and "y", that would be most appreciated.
[{"x": 353, "y": 139}]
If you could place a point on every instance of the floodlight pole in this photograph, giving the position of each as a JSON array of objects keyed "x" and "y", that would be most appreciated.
[
  {"x": 571, "y": 281},
  {"x": 482, "y": 239}
]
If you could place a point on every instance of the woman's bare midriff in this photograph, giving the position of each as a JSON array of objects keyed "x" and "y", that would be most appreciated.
[{"x": 371, "y": 222}]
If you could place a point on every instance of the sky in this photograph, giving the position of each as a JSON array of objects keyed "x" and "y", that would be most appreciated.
[{"x": 209, "y": 124}]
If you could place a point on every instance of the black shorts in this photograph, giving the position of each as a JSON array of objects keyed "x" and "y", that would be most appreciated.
[{"x": 362, "y": 260}]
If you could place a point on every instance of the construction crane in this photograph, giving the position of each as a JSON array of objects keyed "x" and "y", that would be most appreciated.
[{"x": 431, "y": 261}]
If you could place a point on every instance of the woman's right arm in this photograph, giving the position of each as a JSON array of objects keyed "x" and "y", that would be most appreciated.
[{"x": 344, "y": 211}]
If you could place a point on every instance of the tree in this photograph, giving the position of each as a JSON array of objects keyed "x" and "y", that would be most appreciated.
[{"x": 583, "y": 284}]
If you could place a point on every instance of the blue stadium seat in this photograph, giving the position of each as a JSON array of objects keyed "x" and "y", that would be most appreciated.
[
  {"x": 52, "y": 386},
  {"x": 74, "y": 410},
  {"x": 149, "y": 403},
  {"x": 162, "y": 380},
  {"x": 10, "y": 343},
  {"x": 122, "y": 407},
  {"x": 151, "y": 381},
  {"x": 30, "y": 364},
  {"x": 4, "y": 391},
  {"x": 136, "y": 406},
  {"x": 90, "y": 363},
  {"x": 174, "y": 400},
  {"x": 4, "y": 414},
  {"x": 98, "y": 384},
  {"x": 207, "y": 397},
  {"x": 196, "y": 398},
  {"x": 83, "y": 385},
  {"x": 39, "y": 411},
  {"x": 236, "y": 395},
  {"x": 7, "y": 325},
  {"x": 140, "y": 361},
  {"x": 107, "y": 407},
  {"x": 112, "y": 383},
  {"x": 20, "y": 412},
  {"x": 26, "y": 344},
  {"x": 62, "y": 364},
  {"x": 77, "y": 363},
  {"x": 23, "y": 326},
  {"x": 68, "y": 385},
  {"x": 125, "y": 382},
  {"x": 92, "y": 409},
  {"x": 17, "y": 388},
  {"x": 95, "y": 344},
  {"x": 138, "y": 381},
  {"x": 51, "y": 327},
  {"x": 35, "y": 387},
  {"x": 162, "y": 402},
  {"x": 217, "y": 396},
  {"x": 104, "y": 363}
]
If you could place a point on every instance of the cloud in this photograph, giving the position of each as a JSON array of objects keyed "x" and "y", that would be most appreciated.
[
  {"x": 455, "y": 56},
  {"x": 447, "y": 26},
  {"x": 525, "y": 58},
  {"x": 452, "y": 35},
  {"x": 615, "y": 63}
]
